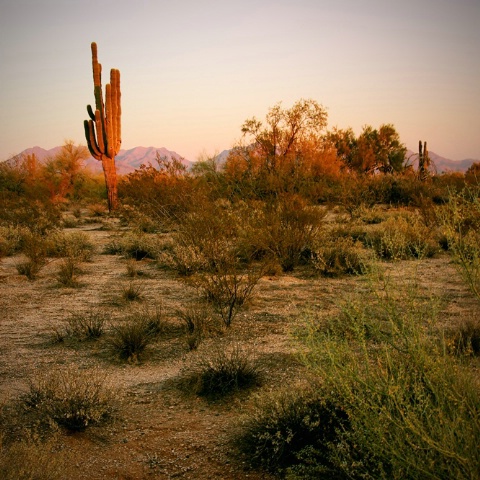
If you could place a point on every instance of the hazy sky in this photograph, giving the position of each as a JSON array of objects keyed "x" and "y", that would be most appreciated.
[{"x": 192, "y": 71}]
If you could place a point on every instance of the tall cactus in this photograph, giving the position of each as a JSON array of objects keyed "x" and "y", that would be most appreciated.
[
  {"x": 103, "y": 130},
  {"x": 423, "y": 161}
]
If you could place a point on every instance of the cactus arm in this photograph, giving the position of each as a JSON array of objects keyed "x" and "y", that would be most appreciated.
[
  {"x": 90, "y": 112},
  {"x": 91, "y": 140}
]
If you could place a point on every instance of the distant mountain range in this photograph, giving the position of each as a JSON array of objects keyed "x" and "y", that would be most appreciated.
[{"x": 128, "y": 161}]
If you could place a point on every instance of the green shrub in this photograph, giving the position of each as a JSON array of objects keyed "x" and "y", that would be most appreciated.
[
  {"x": 409, "y": 404},
  {"x": 400, "y": 238},
  {"x": 132, "y": 292},
  {"x": 224, "y": 370},
  {"x": 460, "y": 222},
  {"x": 70, "y": 398},
  {"x": 290, "y": 428},
  {"x": 338, "y": 256},
  {"x": 199, "y": 322},
  {"x": 135, "y": 245},
  {"x": 67, "y": 273},
  {"x": 464, "y": 339},
  {"x": 34, "y": 248}
]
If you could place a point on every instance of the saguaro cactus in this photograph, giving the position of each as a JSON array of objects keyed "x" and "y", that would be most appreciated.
[
  {"x": 103, "y": 130},
  {"x": 423, "y": 160}
]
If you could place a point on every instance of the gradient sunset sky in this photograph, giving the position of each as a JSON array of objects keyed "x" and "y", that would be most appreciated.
[{"x": 192, "y": 71}]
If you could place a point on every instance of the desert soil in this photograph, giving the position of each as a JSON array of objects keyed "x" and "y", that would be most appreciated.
[{"x": 161, "y": 431}]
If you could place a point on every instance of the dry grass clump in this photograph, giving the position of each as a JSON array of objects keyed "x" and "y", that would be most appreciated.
[
  {"x": 70, "y": 398},
  {"x": 200, "y": 322},
  {"x": 130, "y": 339},
  {"x": 224, "y": 370}
]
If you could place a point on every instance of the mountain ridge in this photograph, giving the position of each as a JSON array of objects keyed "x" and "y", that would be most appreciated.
[{"x": 129, "y": 160}]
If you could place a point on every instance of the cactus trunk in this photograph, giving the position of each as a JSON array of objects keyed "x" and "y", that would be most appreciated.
[{"x": 103, "y": 130}]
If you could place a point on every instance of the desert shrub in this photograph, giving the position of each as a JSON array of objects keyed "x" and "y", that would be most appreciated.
[
  {"x": 70, "y": 398},
  {"x": 32, "y": 459},
  {"x": 206, "y": 238},
  {"x": 464, "y": 338},
  {"x": 290, "y": 427},
  {"x": 410, "y": 407},
  {"x": 284, "y": 230},
  {"x": 33, "y": 247},
  {"x": 67, "y": 274},
  {"x": 401, "y": 237},
  {"x": 225, "y": 369},
  {"x": 338, "y": 255},
  {"x": 70, "y": 244},
  {"x": 11, "y": 239},
  {"x": 227, "y": 290},
  {"x": 135, "y": 245},
  {"x": 460, "y": 222}
]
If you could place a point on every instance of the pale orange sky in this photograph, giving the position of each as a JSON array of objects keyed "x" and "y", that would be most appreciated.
[{"x": 193, "y": 71}]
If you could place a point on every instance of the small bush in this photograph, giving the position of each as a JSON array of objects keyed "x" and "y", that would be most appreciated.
[
  {"x": 465, "y": 338},
  {"x": 400, "y": 238},
  {"x": 224, "y": 370},
  {"x": 339, "y": 256},
  {"x": 74, "y": 245},
  {"x": 135, "y": 245},
  {"x": 34, "y": 248},
  {"x": 227, "y": 291},
  {"x": 67, "y": 273},
  {"x": 290, "y": 426},
  {"x": 198, "y": 319},
  {"x": 70, "y": 398}
]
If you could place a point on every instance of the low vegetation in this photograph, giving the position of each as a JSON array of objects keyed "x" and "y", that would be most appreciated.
[{"x": 319, "y": 312}]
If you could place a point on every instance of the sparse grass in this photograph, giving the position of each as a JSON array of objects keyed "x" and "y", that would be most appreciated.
[
  {"x": 199, "y": 322},
  {"x": 70, "y": 398},
  {"x": 86, "y": 326},
  {"x": 132, "y": 292},
  {"x": 130, "y": 339}
]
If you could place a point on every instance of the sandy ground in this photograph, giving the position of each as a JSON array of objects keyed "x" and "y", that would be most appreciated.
[{"x": 162, "y": 431}]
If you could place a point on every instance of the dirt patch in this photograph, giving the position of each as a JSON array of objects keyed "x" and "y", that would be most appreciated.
[{"x": 161, "y": 430}]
